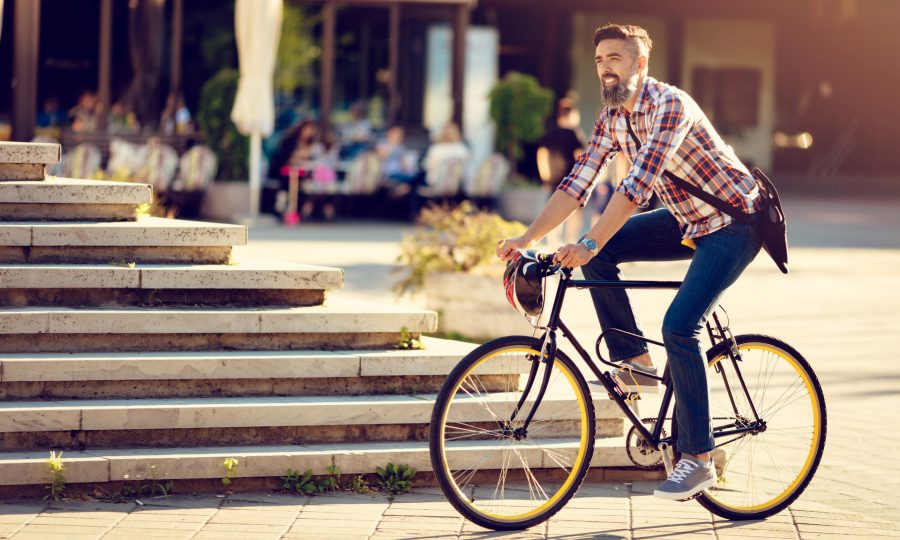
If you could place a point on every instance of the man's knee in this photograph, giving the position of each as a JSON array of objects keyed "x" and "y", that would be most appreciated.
[{"x": 676, "y": 329}]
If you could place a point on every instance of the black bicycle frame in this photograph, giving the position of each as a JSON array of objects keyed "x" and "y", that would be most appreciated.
[{"x": 555, "y": 324}]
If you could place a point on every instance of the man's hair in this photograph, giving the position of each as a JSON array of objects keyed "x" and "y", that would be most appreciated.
[{"x": 636, "y": 38}]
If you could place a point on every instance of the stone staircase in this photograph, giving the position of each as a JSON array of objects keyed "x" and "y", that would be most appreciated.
[{"x": 135, "y": 344}]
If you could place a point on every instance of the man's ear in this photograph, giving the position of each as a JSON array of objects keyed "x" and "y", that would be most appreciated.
[{"x": 642, "y": 63}]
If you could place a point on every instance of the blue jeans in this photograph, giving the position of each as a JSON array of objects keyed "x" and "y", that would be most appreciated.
[{"x": 718, "y": 261}]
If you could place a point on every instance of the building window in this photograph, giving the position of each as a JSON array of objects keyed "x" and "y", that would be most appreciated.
[{"x": 728, "y": 96}]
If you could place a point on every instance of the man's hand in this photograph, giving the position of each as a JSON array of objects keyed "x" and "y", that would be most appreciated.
[
  {"x": 506, "y": 248},
  {"x": 572, "y": 255}
]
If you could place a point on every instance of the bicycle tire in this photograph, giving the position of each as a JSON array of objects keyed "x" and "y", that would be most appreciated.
[
  {"x": 722, "y": 499},
  {"x": 503, "y": 448}
]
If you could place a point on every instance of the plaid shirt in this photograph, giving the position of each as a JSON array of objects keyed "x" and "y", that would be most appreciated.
[{"x": 677, "y": 137}]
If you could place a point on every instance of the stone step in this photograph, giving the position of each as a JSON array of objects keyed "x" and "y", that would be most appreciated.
[
  {"x": 255, "y": 283},
  {"x": 30, "y": 468},
  {"x": 134, "y": 423},
  {"x": 71, "y": 199},
  {"x": 148, "y": 240},
  {"x": 437, "y": 358},
  {"x": 27, "y": 161},
  {"x": 336, "y": 324},
  {"x": 228, "y": 373}
]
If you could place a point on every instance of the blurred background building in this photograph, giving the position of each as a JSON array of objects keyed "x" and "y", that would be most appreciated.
[{"x": 805, "y": 88}]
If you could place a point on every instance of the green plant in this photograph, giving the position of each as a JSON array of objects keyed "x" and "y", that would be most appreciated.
[
  {"x": 518, "y": 107},
  {"x": 300, "y": 483},
  {"x": 407, "y": 342},
  {"x": 230, "y": 465},
  {"x": 332, "y": 482},
  {"x": 297, "y": 50},
  {"x": 57, "y": 485},
  {"x": 153, "y": 485},
  {"x": 214, "y": 117},
  {"x": 452, "y": 239},
  {"x": 395, "y": 480},
  {"x": 359, "y": 485}
]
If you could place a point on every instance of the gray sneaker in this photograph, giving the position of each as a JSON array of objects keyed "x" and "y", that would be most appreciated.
[
  {"x": 633, "y": 377},
  {"x": 690, "y": 477}
]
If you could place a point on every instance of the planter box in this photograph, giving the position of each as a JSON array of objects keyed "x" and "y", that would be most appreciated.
[
  {"x": 522, "y": 203},
  {"x": 473, "y": 305},
  {"x": 226, "y": 201}
]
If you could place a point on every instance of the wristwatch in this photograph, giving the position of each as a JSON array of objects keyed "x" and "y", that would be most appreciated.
[{"x": 590, "y": 245}]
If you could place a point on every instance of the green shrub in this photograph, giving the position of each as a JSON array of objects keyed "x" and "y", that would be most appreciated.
[
  {"x": 518, "y": 107},
  {"x": 214, "y": 117},
  {"x": 452, "y": 239}
]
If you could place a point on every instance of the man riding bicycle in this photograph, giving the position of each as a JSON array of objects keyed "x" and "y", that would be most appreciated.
[{"x": 661, "y": 130}]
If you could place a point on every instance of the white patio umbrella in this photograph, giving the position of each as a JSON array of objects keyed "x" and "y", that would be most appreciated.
[{"x": 257, "y": 27}]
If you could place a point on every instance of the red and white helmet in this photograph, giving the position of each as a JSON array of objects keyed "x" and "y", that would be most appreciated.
[{"x": 523, "y": 283}]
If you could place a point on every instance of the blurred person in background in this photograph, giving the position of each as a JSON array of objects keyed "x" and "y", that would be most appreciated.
[
  {"x": 83, "y": 116},
  {"x": 448, "y": 145},
  {"x": 561, "y": 145}
]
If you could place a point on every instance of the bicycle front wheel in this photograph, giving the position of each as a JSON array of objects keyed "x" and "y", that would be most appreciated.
[
  {"x": 492, "y": 469},
  {"x": 763, "y": 471}
]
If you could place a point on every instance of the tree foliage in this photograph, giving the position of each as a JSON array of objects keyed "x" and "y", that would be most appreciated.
[
  {"x": 519, "y": 106},
  {"x": 220, "y": 133}
]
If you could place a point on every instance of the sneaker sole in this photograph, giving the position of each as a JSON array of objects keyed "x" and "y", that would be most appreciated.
[{"x": 685, "y": 495}]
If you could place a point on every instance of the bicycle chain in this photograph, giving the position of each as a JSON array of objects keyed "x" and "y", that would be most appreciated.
[{"x": 632, "y": 433}]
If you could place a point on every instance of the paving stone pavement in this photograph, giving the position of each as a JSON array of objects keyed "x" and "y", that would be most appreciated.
[{"x": 600, "y": 510}]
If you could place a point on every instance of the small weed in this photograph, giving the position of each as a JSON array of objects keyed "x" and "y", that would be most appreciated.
[
  {"x": 359, "y": 485},
  {"x": 154, "y": 485},
  {"x": 230, "y": 465},
  {"x": 332, "y": 482},
  {"x": 303, "y": 483},
  {"x": 57, "y": 485},
  {"x": 407, "y": 342},
  {"x": 395, "y": 480}
]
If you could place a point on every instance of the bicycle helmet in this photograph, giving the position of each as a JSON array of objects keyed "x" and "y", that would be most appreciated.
[{"x": 524, "y": 284}]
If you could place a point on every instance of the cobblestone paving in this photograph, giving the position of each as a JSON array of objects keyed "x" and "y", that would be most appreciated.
[{"x": 600, "y": 510}]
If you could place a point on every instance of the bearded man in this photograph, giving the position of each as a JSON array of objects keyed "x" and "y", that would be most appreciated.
[{"x": 660, "y": 129}]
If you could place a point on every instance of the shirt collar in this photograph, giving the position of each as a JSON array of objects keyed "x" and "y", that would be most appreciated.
[{"x": 643, "y": 95}]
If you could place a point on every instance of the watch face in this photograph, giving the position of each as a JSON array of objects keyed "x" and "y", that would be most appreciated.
[{"x": 590, "y": 244}]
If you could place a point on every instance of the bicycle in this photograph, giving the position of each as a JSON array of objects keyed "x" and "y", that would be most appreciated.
[{"x": 513, "y": 426}]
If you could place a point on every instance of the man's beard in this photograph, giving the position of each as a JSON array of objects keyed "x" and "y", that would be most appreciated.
[{"x": 616, "y": 96}]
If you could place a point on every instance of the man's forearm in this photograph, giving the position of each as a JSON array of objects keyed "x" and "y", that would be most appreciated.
[
  {"x": 558, "y": 208},
  {"x": 614, "y": 216}
]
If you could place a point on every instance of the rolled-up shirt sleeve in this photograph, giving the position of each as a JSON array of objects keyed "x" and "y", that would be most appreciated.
[
  {"x": 599, "y": 153},
  {"x": 669, "y": 127}
]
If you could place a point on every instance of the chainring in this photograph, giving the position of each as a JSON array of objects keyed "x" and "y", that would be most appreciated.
[{"x": 641, "y": 453}]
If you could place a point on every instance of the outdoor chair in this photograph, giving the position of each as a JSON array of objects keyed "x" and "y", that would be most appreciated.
[
  {"x": 196, "y": 170},
  {"x": 83, "y": 161},
  {"x": 126, "y": 160},
  {"x": 159, "y": 167},
  {"x": 485, "y": 185}
]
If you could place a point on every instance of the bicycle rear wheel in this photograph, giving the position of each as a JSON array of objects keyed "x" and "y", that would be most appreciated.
[
  {"x": 494, "y": 473},
  {"x": 762, "y": 472}
]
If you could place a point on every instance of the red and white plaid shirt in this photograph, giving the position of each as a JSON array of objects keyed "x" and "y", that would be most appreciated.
[{"x": 676, "y": 136}]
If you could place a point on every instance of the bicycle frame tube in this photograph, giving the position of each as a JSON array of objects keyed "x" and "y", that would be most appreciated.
[{"x": 555, "y": 324}]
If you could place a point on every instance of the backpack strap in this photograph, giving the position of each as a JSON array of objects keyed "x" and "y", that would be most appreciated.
[{"x": 717, "y": 203}]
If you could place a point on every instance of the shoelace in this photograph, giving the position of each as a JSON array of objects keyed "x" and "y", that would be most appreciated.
[{"x": 683, "y": 469}]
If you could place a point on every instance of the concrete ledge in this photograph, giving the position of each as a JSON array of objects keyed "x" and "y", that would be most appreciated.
[
  {"x": 251, "y": 275},
  {"x": 23, "y": 468},
  {"x": 118, "y": 255},
  {"x": 22, "y": 171},
  {"x": 332, "y": 318},
  {"x": 30, "y": 152},
  {"x": 202, "y": 413},
  {"x": 146, "y": 231},
  {"x": 438, "y": 358},
  {"x": 76, "y": 191},
  {"x": 67, "y": 212}
]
